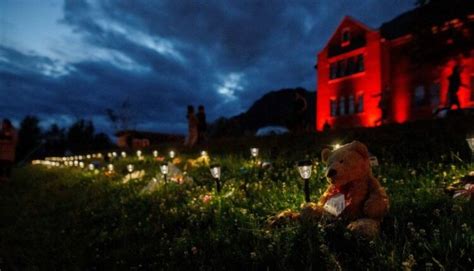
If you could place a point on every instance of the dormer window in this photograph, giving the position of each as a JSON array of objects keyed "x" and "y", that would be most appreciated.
[{"x": 345, "y": 37}]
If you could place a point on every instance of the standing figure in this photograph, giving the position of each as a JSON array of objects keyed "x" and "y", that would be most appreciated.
[
  {"x": 192, "y": 127},
  {"x": 202, "y": 124},
  {"x": 453, "y": 88},
  {"x": 8, "y": 140},
  {"x": 383, "y": 105},
  {"x": 297, "y": 122}
]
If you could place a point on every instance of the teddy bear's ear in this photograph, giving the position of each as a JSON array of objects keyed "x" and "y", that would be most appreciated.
[
  {"x": 360, "y": 148},
  {"x": 325, "y": 155}
]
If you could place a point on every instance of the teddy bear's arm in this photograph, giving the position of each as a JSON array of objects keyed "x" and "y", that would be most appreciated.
[
  {"x": 377, "y": 204},
  {"x": 324, "y": 197}
]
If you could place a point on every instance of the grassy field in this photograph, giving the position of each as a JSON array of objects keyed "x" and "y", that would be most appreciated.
[{"x": 76, "y": 219}]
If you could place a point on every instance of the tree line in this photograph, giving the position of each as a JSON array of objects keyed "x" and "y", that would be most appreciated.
[{"x": 33, "y": 141}]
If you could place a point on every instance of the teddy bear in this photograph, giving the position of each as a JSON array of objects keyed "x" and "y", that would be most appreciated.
[{"x": 353, "y": 193}]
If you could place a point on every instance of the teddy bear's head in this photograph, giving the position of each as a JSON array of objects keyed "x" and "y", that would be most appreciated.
[{"x": 348, "y": 163}]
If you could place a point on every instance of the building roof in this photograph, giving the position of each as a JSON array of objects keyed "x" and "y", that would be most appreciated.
[{"x": 435, "y": 13}]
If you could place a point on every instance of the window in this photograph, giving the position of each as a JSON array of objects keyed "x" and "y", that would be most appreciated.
[
  {"x": 360, "y": 63},
  {"x": 333, "y": 71},
  {"x": 333, "y": 105},
  {"x": 351, "y": 105},
  {"x": 360, "y": 103},
  {"x": 345, "y": 37},
  {"x": 434, "y": 94},
  {"x": 345, "y": 67},
  {"x": 419, "y": 96},
  {"x": 342, "y": 106},
  {"x": 472, "y": 88}
]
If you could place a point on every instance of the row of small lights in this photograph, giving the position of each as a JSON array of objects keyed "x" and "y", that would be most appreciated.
[{"x": 305, "y": 167}]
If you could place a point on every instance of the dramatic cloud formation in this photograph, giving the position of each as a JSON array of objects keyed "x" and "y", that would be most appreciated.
[{"x": 163, "y": 55}]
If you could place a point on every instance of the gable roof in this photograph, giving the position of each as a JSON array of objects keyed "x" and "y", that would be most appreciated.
[
  {"x": 434, "y": 13},
  {"x": 353, "y": 21}
]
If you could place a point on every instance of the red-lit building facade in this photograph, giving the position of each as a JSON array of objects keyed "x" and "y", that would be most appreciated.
[{"x": 361, "y": 70}]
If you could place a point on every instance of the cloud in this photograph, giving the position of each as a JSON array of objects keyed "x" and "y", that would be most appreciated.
[{"x": 164, "y": 55}]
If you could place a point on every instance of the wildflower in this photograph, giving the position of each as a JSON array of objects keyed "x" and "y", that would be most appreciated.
[{"x": 207, "y": 198}]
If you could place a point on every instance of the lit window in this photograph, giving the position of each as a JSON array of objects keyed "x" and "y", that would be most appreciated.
[
  {"x": 351, "y": 105},
  {"x": 333, "y": 107},
  {"x": 434, "y": 94},
  {"x": 360, "y": 103},
  {"x": 342, "y": 106}
]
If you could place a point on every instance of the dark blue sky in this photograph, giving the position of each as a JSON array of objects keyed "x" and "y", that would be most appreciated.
[{"x": 64, "y": 60}]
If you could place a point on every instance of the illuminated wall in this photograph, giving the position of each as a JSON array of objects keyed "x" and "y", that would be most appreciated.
[{"x": 412, "y": 91}]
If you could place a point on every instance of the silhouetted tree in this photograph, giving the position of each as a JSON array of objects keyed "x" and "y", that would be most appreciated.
[
  {"x": 29, "y": 138},
  {"x": 80, "y": 136},
  {"x": 101, "y": 142},
  {"x": 121, "y": 118},
  {"x": 55, "y": 140}
]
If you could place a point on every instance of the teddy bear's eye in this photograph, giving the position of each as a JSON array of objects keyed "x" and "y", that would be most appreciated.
[{"x": 341, "y": 161}]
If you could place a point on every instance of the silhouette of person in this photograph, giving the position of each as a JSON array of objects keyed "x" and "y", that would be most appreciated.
[
  {"x": 454, "y": 85},
  {"x": 192, "y": 127},
  {"x": 8, "y": 140},
  {"x": 326, "y": 127},
  {"x": 202, "y": 124},
  {"x": 299, "y": 119},
  {"x": 383, "y": 105}
]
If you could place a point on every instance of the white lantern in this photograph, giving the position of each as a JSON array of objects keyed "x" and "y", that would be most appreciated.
[
  {"x": 114, "y": 154},
  {"x": 254, "y": 152},
  {"x": 130, "y": 168},
  {"x": 110, "y": 167},
  {"x": 172, "y": 154},
  {"x": 164, "y": 168},
  {"x": 124, "y": 154},
  {"x": 91, "y": 167},
  {"x": 336, "y": 146},
  {"x": 305, "y": 169},
  {"x": 155, "y": 153},
  {"x": 139, "y": 153},
  {"x": 215, "y": 171},
  {"x": 203, "y": 153},
  {"x": 81, "y": 164},
  {"x": 76, "y": 163}
]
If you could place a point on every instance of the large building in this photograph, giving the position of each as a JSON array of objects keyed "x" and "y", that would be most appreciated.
[{"x": 401, "y": 70}]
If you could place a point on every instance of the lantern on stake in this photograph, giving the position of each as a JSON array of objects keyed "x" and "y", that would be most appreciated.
[
  {"x": 164, "y": 170},
  {"x": 139, "y": 154},
  {"x": 91, "y": 167},
  {"x": 216, "y": 174},
  {"x": 254, "y": 153},
  {"x": 305, "y": 168},
  {"x": 123, "y": 154},
  {"x": 172, "y": 154},
  {"x": 110, "y": 168},
  {"x": 155, "y": 153}
]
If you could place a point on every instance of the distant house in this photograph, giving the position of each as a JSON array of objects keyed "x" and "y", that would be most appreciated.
[
  {"x": 141, "y": 139},
  {"x": 362, "y": 70}
]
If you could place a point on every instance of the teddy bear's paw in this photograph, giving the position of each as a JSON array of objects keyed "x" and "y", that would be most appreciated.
[
  {"x": 312, "y": 212},
  {"x": 365, "y": 227},
  {"x": 283, "y": 218}
]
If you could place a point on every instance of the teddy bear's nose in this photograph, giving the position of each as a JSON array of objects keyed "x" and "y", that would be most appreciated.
[{"x": 331, "y": 173}]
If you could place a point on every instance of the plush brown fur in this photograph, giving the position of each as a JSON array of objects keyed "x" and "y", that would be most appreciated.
[{"x": 368, "y": 201}]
